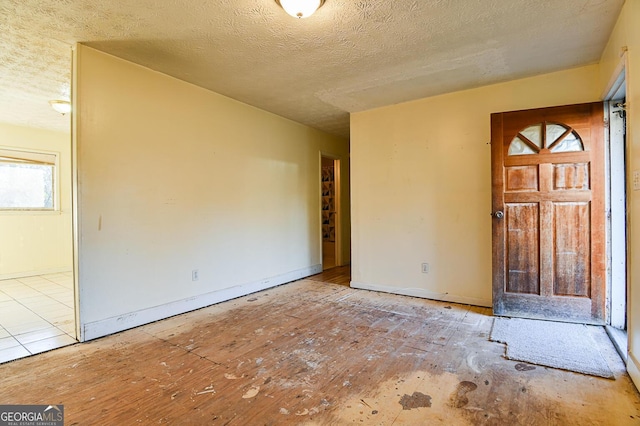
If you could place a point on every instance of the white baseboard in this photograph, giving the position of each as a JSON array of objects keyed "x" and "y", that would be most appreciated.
[
  {"x": 100, "y": 328},
  {"x": 425, "y": 294},
  {"x": 15, "y": 275},
  {"x": 633, "y": 368}
]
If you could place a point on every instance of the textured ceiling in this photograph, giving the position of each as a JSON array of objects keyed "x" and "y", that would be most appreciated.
[{"x": 350, "y": 56}]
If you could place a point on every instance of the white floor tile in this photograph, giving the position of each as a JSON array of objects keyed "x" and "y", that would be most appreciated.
[
  {"x": 50, "y": 343},
  {"x": 64, "y": 281},
  {"x": 8, "y": 342},
  {"x": 57, "y": 322},
  {"x": 35, "y": 299},
  {"x": 13, "y": 353},
  {"x": 9, "y": 283},
  {"x": 33, "y": 279},
  {"x": 64, "y": 304},
  {"x": 40, "y": 302},
  {"x": 16, "y": 329},
  {"x": 7, "y": 305},
  {"x": 53, "y": 276},
  {"x": 34, "y": 336},
  {"x": 68, "y": 329},
  {"x": 4, "y": 333},
  {"x": 21, "y": 292},
  {"x": 12, "y": 311},
  {"x": 49, "y": 288},
  {"x": 57, "y": 312},
  {"x": 37, "y": 312}
]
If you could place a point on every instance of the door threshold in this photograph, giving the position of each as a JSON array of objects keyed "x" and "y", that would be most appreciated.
[{"x": 619, "y": 339}]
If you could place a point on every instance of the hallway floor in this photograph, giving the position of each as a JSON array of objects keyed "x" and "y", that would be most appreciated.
[{"x": 36, "y": 315}]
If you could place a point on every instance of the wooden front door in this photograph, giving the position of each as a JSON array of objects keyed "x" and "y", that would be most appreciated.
[{"x": 548, "y": 213}]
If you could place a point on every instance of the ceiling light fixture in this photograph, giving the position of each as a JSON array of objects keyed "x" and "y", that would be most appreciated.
[
  {"x": 300, "y": 8},
  {"x": 63, "y": 107}
]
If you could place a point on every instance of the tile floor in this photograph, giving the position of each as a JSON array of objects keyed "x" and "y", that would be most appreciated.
[{"x": 36, "y": 315}]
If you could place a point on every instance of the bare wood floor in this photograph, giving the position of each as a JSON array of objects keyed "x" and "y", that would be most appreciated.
[
  {"x": 337, "y": 275},
  {"x": 315, "y": 353}
]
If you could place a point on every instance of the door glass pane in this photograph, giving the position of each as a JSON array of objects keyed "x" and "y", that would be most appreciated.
[
  {"x": 554, "y": 131},
  {"x": 518, "y": 147},
  {"x": 571, "y": 143},
  {"x": 534, "y": 134}
]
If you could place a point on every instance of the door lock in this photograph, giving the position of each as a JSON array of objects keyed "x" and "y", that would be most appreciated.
[{"x": 498, "y": 215}]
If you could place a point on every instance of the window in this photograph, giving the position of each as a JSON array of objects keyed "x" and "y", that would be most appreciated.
[
  {"x": 27, "y": 180},
  {"x": 554, "y": 137}
]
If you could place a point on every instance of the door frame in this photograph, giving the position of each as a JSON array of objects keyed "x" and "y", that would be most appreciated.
[
  {"x": 75, "y": 183},
  {"x": 616, "y": 207},
  {"x": 617, "y": 295},
  {"x": 337, "y": 183}
]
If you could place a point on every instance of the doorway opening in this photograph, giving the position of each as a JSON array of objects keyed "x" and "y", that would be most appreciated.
[
  {"x": 37, "y": 286},
  {"x": 37, "y": 302},
  {"x": 615, "y": 114},
  {"x": 330, "y": 211}
]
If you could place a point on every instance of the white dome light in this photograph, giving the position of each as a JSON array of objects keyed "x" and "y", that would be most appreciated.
[
  {"x": 63, "y": 107},
  {"x": 300, "y": 8}
]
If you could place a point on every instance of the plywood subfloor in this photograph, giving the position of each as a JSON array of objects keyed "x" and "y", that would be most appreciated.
[{"x": 318, "y": 354}]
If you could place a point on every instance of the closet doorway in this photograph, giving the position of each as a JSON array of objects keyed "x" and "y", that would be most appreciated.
[{"x": 330, "y": 211}]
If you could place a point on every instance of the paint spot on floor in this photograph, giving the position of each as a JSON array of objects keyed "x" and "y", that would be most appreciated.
[
  {"x": 208, "y": 389},
  {"x": 417, "y": 400},
  {"x": 524, "y": 367},
  {"x": 459, "y": 398},
  {"x": 251, "y": 392}
]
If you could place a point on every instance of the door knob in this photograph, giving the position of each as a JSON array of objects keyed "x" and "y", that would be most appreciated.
[{"x": 498, "y": 215}]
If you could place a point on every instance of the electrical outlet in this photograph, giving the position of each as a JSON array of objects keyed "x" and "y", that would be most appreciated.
[
  {"x": 195, "y": 275},
  {"x": 425, "y": 268},
  {"x": 636, "y": 180}
]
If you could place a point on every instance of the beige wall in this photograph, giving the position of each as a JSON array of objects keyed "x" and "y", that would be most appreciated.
[
  {"x": 421, "y": 185},
  {"x": 33, "y": 243},
  {"x": 172, "y": 178},
  {"x": 626, "y": 35}
]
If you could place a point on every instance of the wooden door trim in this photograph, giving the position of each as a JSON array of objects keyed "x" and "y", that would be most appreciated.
[
  {"x": 497, "y": 204},
  {"x": 598, "y": 261}
]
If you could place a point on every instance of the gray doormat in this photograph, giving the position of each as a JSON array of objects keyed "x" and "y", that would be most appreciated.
[{"x": 551, "y": 344}]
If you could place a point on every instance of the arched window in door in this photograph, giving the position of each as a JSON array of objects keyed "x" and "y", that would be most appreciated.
[{"x": 554, "y": 137}]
